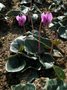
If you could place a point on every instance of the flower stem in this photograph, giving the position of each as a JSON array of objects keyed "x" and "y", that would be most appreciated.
[
  {"x": 32, "y": 26},
  {"x": 24, "y": 29},
  {"x": 30, "y": 14},
  {"x": 31, "y": 3},
  {"x": 51, "y": 48},
  {"x": 39, "y": 38}
]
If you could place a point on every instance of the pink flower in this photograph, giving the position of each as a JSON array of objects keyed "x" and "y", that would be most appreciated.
[
  {"x": 46, "y": 18},
  {"x": 21, "y": 20}
]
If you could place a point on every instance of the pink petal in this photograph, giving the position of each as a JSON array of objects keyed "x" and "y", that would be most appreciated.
[
  {"x": 17, "y": 18},
  {"x": 44, "y": 18},
  {"x": 23, "y": 18},
  {"x": 49, "y": 17}
]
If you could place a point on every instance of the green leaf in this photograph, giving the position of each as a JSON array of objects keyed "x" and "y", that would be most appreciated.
[
  {"x": 26, "y": 1},
  {"x": 59, "y": 72},
  {"x": 55, "y": 84},
  {"x": 51, "y": 84},
  {"x": 25, "y": 9},
  {"x": 30, "y": 44},
  {"x": 45, "y": 42},
  {"x": 39, "y": 1},
  {"x": 57, "y": 1},
  {"x": 28, "y": 86},
  {"x": 2, "y": 6},
  {"x": 60, "y": 18},
  {"x": 17, "y": 43},
  {"x": 64, "y": 21},
  {"x": 29, "y": 1},
  {"x": 29, "y": 74},
  {"x": 34, "y": 64},
  {"x": 21, "y": 48},
  {"x": 65, "y": 13},
  {"x": 46, "y": 60},
  {"x": 63, "y": 32},
  {"x": 13, "y": 13},
  {"x": 15, "y": 63}
]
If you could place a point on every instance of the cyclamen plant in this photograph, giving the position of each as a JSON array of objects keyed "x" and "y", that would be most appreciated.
[
  {"x": 31, "y": 46},
  {"x": 46, "y": 19},
  {"x": 33, "y": 50}
]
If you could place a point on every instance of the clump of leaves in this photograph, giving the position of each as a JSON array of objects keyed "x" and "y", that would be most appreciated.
[
  {"x": 50, "y": 84},
  {"x": 57, "y": 6},
  {"x": 60, "y": 26},
  {"x": 26, "y": 48},
  {"x": 56, "y": 85},
  {"x": 32, "y": 50},
  {"x": 42, "y": 84}
]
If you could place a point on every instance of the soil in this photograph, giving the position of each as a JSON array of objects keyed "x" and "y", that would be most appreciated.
[{"x": 7, "y": 34}]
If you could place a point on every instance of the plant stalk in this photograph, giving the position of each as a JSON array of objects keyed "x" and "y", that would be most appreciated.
[
  {"x": 39, "y": 38},
  {"x": 24, "y": 29},
  {"x": 31, "y": 18}
]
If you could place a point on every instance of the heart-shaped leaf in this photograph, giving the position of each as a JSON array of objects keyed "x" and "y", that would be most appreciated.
[
  {"x": 63, "y": 32},
  {"x": 15, "y": 63},
  {"x": 57, "y": 1},
  {"x": 60, "y": 18},
  {"x": 39, "y": 1},
  {"x": 17, "y": 44},
  {"x": 26, "y": 1},
  {"x": 65, "y": 13},
  {"x": 30, "y": 44},
  {"x": 55, "y": 25},
  {"x": 59, "y": 72},
  {"x": 13, "y": 13},
  {"x": 2, "y": 6},
  {"x": 25, "y": 9},
  {"x": 55, "y": 84},
  {"x": 28, "y": 86},
  {"x": 47, "y": 60},
  {"x": 64, "y": 21},
  {"x": 33, "y": 63},
  {"x": 29, "y": 74},
  {"x": 45, "y": 42},
  {"x": 50, "y": 84}
]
